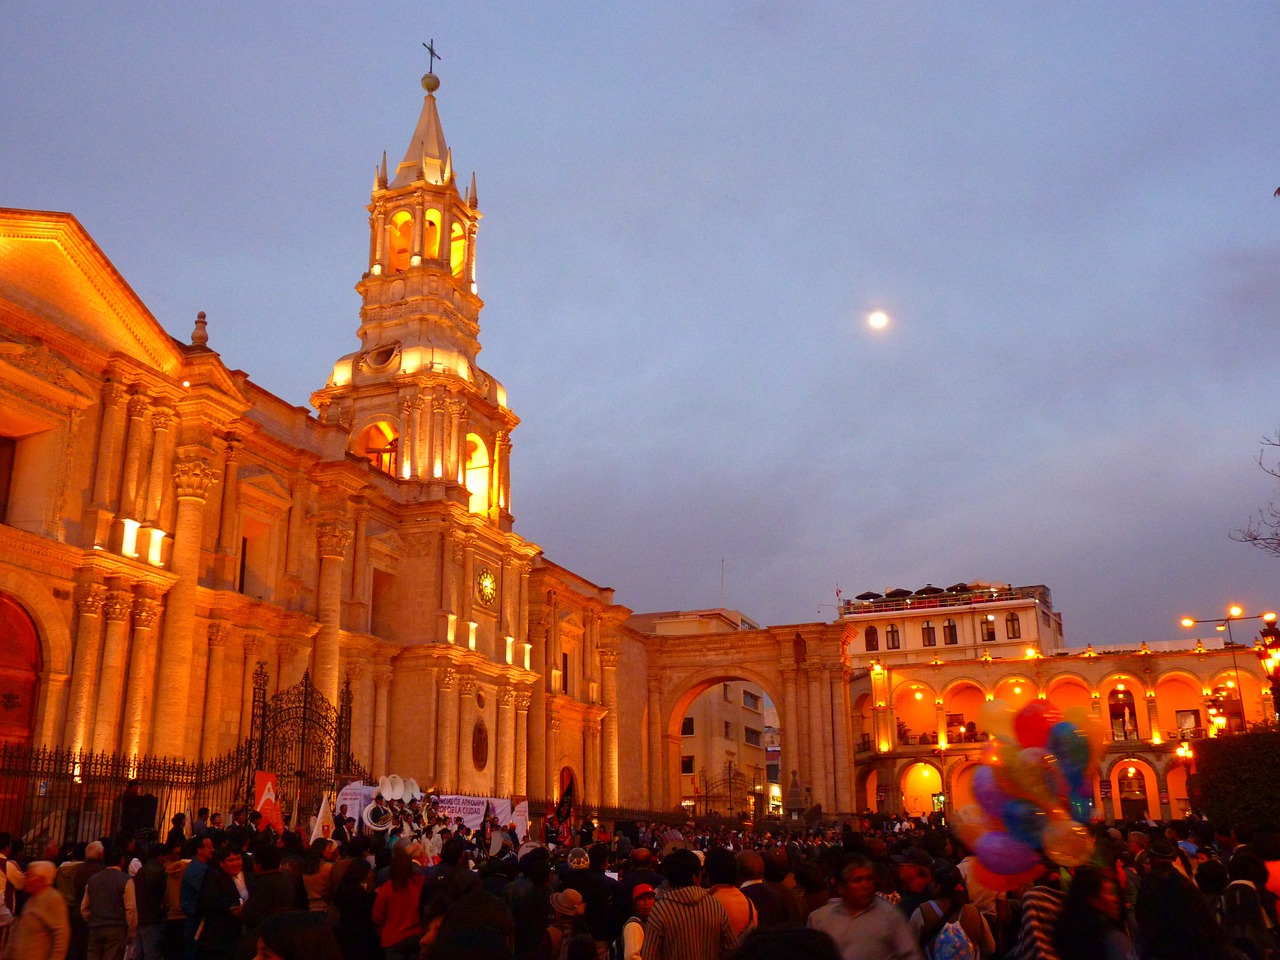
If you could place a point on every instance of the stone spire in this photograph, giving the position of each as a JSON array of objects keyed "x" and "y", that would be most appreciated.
[{"x": 428, "y": 155}]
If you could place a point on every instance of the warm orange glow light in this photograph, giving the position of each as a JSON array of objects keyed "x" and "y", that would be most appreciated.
[
  {"x": 1188, "y": 622},
  {"x": 877, "y": 320},
  {"x": 1269, "y": 616},
  {"x": 1235, "y": 610}
]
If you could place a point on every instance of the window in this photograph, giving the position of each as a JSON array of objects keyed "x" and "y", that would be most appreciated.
[
  {"x": 686, "y": 764},
  {"x": 873, "y": 639},
  {"x": 949, "y": 632},
  {"x": 988, "y": 627},
  {"x": 751, "y": 700},
  {"x": 401, "y": 241},
  {"x": 927, "y": 635},
  {"x": 564, "y": 672},
  {"x": 477, "y": 475},
  {"x": 1012, "y": 627},
  {"x": 457, "y": 249},
  {"x": 728, "y": 730},
  {"x": 891, "y": 639},
  {"x": 686, "y": 727},
  {"x": 751, "y": 736},
  {"x": 726, "y": 692}
]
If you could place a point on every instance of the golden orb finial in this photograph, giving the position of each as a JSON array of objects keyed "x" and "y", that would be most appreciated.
[{"x": 430, "y": 82}]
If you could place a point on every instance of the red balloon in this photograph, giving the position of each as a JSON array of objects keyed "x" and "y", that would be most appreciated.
[{"x": 1031, "y": 725}]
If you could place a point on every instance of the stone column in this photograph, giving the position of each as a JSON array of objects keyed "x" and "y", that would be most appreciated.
[
  {"x": 254, "y": 650},
  {"x": 437, "y": 455},
  {"x": 360, "y": 551},
  {"x": 381, "y": 699},
  {"x": 135, "y": 438},
  {"x": 815, "y": 749},
  {"x": 218, "y": 632},
  {"x": 161, "y": 419},
  {"x": 538, "y": 761},
  {"x": 465, "y": 722},
  {"x": 229, "y": 520},
  {"x": 430, "y": 718},
  {"x": 521, "y": 785},
  {"x": 828, "y": 736},
  {"x": 408, "y": 467},
  {"x": 192, "y": 477},
  {"x": 552, "y": 785},
  {"x": 591, "y": 755},
  {"x": 108, "y": 437},
  {"x": 657, "y": 742},
  {"x": 142, "y": 673},
  {"x": 293, "y": 542},
  {"x": 496, "y": 468},
  {"x": 115, "y": 654},
  {"x": 90, "y": 598},
  {"x": 421, "y": 468},
  {"x": 840, "y": 745},
  {"x": 333, "y": 538},
  {"x": 609, "y": 682},
  {"x": 447, "y": 730},
  {"x": 504, "y": 775},
  {"x": 792, "y": 753}
]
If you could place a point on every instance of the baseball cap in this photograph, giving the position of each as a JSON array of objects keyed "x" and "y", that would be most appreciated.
[{"x": 642, "y": 890}]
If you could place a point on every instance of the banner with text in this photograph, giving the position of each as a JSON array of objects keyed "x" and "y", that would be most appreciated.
[{"x": 471, "y": 810}]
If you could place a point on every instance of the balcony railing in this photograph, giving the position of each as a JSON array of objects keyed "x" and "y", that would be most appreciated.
[{"x": 971, "y": 599}]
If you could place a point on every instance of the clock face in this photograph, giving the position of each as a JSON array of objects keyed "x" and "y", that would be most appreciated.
[{"x": 486, "y": 586}]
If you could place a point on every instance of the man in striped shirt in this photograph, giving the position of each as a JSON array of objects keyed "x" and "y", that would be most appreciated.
[{"x": 688, "y": 923}]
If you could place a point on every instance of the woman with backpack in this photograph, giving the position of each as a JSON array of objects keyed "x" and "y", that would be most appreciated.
[{"x": 949, "y": 927}]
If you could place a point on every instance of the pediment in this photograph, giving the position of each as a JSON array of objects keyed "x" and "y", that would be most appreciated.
[
  {"x": 45, "y": 373},
  {"x": 53, "y": 274},
  {"x": 265, "y": 484}
]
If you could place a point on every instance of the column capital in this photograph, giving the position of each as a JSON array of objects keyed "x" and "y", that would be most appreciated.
[
  {"x": 254, "y": 645},
  {"x": 113, "y": 393},
  {"x": 382, "y": 678},
  {"x": 467, "y": 685},
  {"x": 90, "y": 598},
  {"x": 357, "y": 670},
  {"x": 138, "y": 404},
  {"x": 555, "y": 724},
  {"x": 162, "y": 417},
  {"x": 448, "y": 677},
  {"x": 218, "y": 632},
  {"x": 333, "y": 538},
  {"x": 231, "y": 451},
  {"x": 119, "y": 603},
  {"x": 145, "y": 610},
  {"x": 506, "y": 696},
  {"x": 192, "y": 477},
  {"x": 524, "y": 699},
  {"x": 609, "y": 657}
]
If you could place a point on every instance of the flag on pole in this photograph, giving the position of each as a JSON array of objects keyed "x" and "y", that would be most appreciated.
[{"x": 324, "y": 821}]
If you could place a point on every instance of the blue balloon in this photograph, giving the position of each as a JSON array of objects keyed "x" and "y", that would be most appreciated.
[{"x": 1024, "y": 821}]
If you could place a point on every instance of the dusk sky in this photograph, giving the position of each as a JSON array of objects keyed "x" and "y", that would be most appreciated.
[{"x": 689, "y": 210}]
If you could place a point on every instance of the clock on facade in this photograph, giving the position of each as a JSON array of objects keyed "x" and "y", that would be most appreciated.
[{"x": 486, "y": 586}]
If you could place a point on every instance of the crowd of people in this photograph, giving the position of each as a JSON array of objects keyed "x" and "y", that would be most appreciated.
[{"x": 873, "y": 890}]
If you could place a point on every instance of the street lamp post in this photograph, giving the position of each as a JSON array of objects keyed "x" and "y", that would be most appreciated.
[
  {"x": 1268, "y": 650},
  {"x": 1236, "y": 612}
]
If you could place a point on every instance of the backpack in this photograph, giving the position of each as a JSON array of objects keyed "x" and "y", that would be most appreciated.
[
  {"x": 616, "y": 949},
  {"x": 949, "y": 941}
]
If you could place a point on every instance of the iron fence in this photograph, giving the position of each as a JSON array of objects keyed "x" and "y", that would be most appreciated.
[{"x": 52, "y": 795}]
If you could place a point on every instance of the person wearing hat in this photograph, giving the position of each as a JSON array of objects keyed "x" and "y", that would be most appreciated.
[
  {"x": 599, "y": 891},
  {"x": 631, "y": 942},
  {"x": 568, "y": 907}
]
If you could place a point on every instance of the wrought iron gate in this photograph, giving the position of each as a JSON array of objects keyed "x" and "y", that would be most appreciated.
[{"x": 304, "y": 740}]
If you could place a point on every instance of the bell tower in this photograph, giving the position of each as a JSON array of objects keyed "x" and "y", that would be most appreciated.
[{"x": 412, "y": 398}]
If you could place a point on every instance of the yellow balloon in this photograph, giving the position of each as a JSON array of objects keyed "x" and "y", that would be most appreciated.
[
  {"x": 1067, "y": 843},
  {"x": 996, "y": 718},
  {"x": 969, "y": 823}
]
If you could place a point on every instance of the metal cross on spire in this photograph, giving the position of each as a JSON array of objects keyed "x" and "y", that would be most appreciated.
[{"x": 431, "y": 50}]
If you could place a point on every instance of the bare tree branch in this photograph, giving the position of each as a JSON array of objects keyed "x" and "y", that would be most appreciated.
[{"x": 1263, "y": 528}]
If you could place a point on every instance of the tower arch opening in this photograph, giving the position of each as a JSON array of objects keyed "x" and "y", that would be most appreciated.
[
  {"x": 479, "y": 467},
  {"x": 457, "y": 249},
  {"x": 379, "y": 443},
  {"x": 401, "y": 241}
]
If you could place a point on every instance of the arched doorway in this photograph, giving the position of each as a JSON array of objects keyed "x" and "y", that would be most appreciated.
[
  {"x": 922, "y": 790},
  {"x": 730, "y": 755},
  {"x": 20, "y": 666},
  {"x": 1135, "y": 789}
]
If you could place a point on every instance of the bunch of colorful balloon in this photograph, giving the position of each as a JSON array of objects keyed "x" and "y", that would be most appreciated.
[{"x": 1034, "y": 791}]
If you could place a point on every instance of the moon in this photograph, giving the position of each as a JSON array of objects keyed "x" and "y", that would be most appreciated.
[{"x": 877, "y": 320}]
